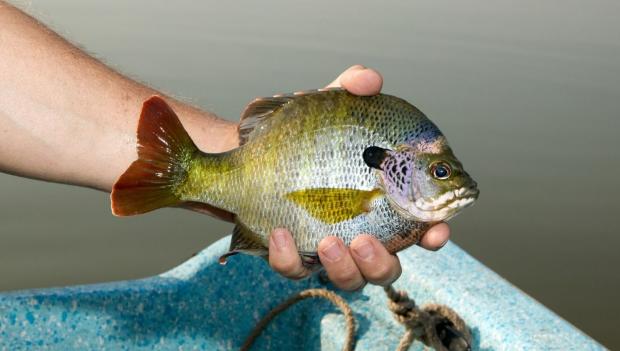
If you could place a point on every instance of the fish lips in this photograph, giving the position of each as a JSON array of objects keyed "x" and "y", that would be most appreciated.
[{"x": 441, "y": 208}]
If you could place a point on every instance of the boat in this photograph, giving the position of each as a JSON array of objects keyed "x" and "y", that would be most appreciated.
[{"x": 204, "y": 305}]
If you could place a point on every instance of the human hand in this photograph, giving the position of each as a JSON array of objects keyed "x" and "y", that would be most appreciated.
[{"x": 366, "y": 259}]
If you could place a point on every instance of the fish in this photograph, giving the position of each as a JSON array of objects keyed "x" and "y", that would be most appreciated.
[{"x": 319, "y": 163}]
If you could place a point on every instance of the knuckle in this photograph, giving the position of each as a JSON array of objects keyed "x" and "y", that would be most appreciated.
[
  {"x": 383, "y": 274},
  {"x": 286, "y": 267},
  {"x": 379, "y": 272},
  {"x": 300, "y": 272},
  {"x": 354, "y": 287},
  {"x": 298, "y": 275},
  {"x": 347, "y": 278}
]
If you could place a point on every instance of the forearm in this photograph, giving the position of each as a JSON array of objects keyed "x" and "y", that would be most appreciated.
[{"x": 66, "y": 117}]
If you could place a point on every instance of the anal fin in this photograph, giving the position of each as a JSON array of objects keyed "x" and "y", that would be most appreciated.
[
  {"x": 244, "y": 241},
  {"x": 310, "y": 260}
]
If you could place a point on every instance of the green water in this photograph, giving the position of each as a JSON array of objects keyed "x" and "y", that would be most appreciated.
[{"x": 527, "y": 93}]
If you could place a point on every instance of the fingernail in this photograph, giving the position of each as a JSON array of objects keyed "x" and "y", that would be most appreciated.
[
  {"x": 280, "y": 239},
  {"x": 365, "y": 251},
  {"x": 443, "y": 244},
  {"x": 333, "y": 251},
  {"x": 357, "y": 68}
]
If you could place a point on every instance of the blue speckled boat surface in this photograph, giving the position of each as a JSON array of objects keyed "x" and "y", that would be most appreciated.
[{"x": 202, "y": 305}]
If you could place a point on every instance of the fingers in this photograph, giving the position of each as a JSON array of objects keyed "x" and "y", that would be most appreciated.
[
  {"x": 359, "y": 80},
  {"x": 283, "y": 256},
  {"x": 436, "y": 237},
  {"x": 375, "y": 263},
  {"x": 348, "y": 268},
  {"x": 339, "y": 265},
  {"x": 336, "y": 83},
  {"x": 366, "y": 260}
]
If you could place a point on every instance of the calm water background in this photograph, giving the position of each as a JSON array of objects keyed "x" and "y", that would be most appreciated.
[{"x": 527, "y": 92}]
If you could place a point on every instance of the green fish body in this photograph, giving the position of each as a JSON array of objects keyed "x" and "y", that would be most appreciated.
[{"x": 317, "y": 163}]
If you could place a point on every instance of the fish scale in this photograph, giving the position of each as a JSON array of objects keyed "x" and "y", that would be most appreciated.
[
  {"x": 301, "y": 166},
  {"x": 331, "y": 130}
]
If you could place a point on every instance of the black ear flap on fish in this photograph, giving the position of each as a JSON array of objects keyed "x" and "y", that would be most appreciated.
[{"x": 374, "y": 156}]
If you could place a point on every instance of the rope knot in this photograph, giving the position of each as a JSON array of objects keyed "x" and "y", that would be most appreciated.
[
  {"x": 404, "y": 309},
  {"x": 437, "y": 326}
]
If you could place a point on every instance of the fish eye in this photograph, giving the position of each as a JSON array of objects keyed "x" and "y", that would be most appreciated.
[{"x": 441, "y": 170}]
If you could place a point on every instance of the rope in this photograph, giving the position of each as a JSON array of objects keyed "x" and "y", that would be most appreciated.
[
  {"x": 305, "y": 294},
  {"x": 437, "y": 326},
  {"x": 416, "y": 322}
]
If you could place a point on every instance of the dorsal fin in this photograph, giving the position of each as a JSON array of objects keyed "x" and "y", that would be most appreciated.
[{"x": 261, "y": 109}]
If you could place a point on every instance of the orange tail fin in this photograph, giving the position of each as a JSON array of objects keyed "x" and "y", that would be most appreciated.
[{"x": 164, "y": 149}]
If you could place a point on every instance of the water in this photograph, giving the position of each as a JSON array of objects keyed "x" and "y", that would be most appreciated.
[{"x": 527, "y": 93}]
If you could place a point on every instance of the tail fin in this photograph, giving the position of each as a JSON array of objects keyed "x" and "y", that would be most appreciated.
[{"x": 164, "y": 149}]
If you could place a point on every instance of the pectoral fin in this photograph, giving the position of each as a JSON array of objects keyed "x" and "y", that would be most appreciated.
[{"x": 333, "y": 205}]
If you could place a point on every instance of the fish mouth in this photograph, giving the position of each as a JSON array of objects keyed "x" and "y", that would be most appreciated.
[
  {"x": 455, "y": 199},
  {"x": 442, "y": 208}
]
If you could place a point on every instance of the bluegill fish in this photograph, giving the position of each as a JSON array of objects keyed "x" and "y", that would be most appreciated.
[{"x": 318, "y": 163}]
